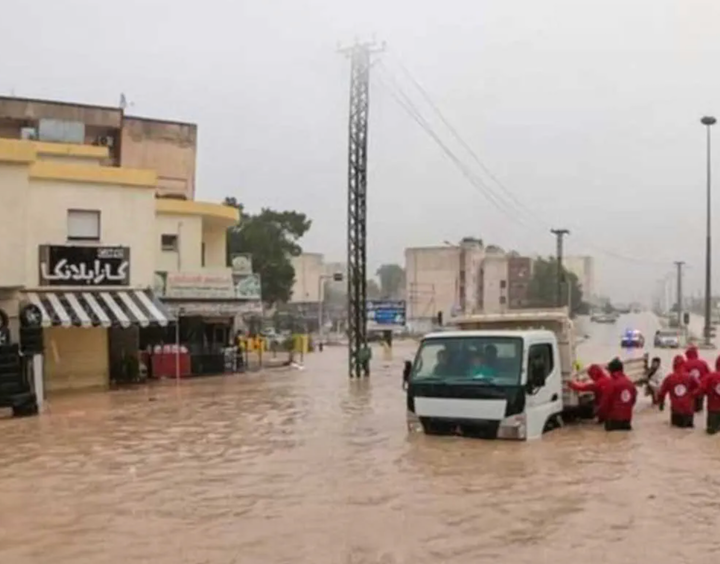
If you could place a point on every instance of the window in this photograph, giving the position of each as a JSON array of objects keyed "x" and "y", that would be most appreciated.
[
  {"x": 169, "y": 242},
  {"x": 503, "y": 300},
  {"x": 83, "y": 225},
  {"x": 503, "y": 283},
  {"x": 492, "y": 360},
  {"x": 541, "y": 356}
]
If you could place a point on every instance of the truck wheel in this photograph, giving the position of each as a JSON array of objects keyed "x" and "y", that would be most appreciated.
[{"x": 553, "y": 422}]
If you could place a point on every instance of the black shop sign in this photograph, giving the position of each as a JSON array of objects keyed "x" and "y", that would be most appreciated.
[{"x": 62, "y": 265}]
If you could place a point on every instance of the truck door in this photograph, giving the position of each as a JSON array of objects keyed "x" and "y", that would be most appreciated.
[{"x": 544, "y": 401}]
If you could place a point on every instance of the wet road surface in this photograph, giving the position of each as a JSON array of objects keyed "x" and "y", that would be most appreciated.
[{"x": 307, "y": 467}]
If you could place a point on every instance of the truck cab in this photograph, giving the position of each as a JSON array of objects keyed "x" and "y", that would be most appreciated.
[{"x": 495, "y": 376}]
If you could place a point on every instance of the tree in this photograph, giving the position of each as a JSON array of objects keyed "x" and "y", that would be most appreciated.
[
  {"x": 392, "y": 280},
  {"x": 542, "y": 291},
  {"x": 271, "y": 237}
]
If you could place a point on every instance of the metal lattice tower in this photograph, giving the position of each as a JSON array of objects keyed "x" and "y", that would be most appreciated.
[{"x": 357, "y": 204}]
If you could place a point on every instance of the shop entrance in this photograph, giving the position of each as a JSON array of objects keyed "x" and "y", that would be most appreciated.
[{"x": 123, "y": 355}]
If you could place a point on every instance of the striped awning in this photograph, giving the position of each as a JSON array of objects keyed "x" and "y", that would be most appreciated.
[{"x": 100, "y": 308}]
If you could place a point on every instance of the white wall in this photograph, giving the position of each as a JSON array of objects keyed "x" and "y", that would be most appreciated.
[
  {"x": 127, "y": 218},
  {"x": 15, "y": 223},
  {"x": 308, "y": 269},
  {"x": 495, "y": 271},
  {"x": 189, "y": 230},
  {"x": 431, "y": 275}
]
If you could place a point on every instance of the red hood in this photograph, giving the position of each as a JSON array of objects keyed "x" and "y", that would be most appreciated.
[
  {"x": 596, "y": 372},
  {"x": 691, "y": 353},
  {"x": 678, "y": 363}
]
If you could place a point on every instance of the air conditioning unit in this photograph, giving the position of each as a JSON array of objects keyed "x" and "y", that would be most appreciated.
[{"x": 105, "y": 141}]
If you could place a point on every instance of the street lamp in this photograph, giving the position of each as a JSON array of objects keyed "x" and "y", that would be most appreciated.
[
  {"x": 335, "y": 277},
  {"x": 708, "y": 122}
]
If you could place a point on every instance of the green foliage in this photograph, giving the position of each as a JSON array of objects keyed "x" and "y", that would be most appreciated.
[
  {"x": 392, "y": 280},
  {"x": 542, "y": 292},
  {"x": 271, "y": 237}
]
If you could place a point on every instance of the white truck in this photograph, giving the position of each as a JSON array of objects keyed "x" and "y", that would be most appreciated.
[{"x": 499, "y": 376}]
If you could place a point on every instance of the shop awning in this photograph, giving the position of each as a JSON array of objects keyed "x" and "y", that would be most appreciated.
[{"x": 100, "y": 308}]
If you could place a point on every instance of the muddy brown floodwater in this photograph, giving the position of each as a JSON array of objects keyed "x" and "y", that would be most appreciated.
[{"x": 307, "y": 467}]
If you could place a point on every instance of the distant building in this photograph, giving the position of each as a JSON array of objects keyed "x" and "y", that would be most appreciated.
[
  {"x": 584, "y": 268},
  {"x": 167, "y": 147},
  {"x": 464, "y": 278},
  {"x": 309, "y": 267}
]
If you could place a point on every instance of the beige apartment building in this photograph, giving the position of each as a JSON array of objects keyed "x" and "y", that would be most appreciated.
[
  {"x": 464, "y": 278},
  {"x": 86, "y": 239},
  {"x": 313, "y": 275},
  {"x": 168, "y": 148}
]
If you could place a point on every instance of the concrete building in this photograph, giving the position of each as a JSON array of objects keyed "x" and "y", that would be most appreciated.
[
  {"x": 468, "y": 278},
  {"x": 443, "y": 279},
  {"x": 584, "y": 268},
  {"x": 84, "y": 243},
  {"x": 311, "y": 271},
  {"x": 169, "y": 148},
  {"x": 309, "y": 267}
]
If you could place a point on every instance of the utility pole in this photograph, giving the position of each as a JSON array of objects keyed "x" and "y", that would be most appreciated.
[
  {"x": 679, "y": 265},
  {"x": 708, "y": 122},
  {"x": 360, "y": 55},
  {"x": 559, "y": 234}
]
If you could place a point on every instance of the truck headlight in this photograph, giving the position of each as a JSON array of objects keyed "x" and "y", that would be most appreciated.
[{"x": 513, "y": 427}]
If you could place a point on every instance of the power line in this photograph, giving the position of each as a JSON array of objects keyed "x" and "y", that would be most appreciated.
[
  {"x": 489, "y": 173},
  {"x": 407, "y": 104}
]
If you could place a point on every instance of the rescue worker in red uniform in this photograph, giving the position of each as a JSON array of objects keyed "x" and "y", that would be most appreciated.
[
  {"x": 617, "y": 404},
  {"x": 710, "y": 388},
  {"x": 598, "y": 385},
  {"x": 698, "y": 369},
  {"x": 683, "y": 389}
]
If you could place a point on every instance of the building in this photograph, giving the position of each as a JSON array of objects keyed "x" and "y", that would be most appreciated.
[
  {"x": 309, "y": 271},
  {"x": 193, "y": 279},
  {"x": 584, "y": 268},
  {"x": 77, "y": 243},
  {"x": 468, "y": 277},
  {"x": 83, "y": 243},
  {"x": 505, "y": 280},
  {"x": 167, "y": 147},
  {"x": 442, "y": 279}
]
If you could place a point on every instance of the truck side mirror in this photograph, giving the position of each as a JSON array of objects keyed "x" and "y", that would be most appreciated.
[{"x": 407, "y": 369}]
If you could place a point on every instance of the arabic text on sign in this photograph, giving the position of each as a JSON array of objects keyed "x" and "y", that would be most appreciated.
[{"x": 96, "y": 274}]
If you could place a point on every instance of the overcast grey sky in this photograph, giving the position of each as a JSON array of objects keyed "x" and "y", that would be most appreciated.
[{"x": 587, "y": 111}]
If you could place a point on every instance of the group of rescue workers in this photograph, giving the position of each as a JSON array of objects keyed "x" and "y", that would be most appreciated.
[{"x": 689, "y": 383}]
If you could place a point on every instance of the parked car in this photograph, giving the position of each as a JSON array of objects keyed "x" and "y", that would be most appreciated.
[
  {"x": 631, "y": 339},
  {"x": 667, "y": 339}
]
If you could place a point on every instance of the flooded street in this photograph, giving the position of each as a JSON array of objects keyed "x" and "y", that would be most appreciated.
[{"x": 308, "y": 467}]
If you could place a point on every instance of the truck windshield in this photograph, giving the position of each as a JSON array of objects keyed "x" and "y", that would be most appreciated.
[{"x": 493, "y": 360}]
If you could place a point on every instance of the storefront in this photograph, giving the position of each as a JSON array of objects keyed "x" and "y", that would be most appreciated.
[
  {"x": 91, "y": 316},
  {"x": 207, "y": 304}
]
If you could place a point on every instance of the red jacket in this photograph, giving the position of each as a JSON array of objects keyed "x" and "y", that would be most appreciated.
[
  {"x": 618, "y": 403},
  {"x": 682, "y": 389},
  {"x": 696, "y": 366},
  {"x": 599, "y": 385},
  {"x": 710, "y": 387}
]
